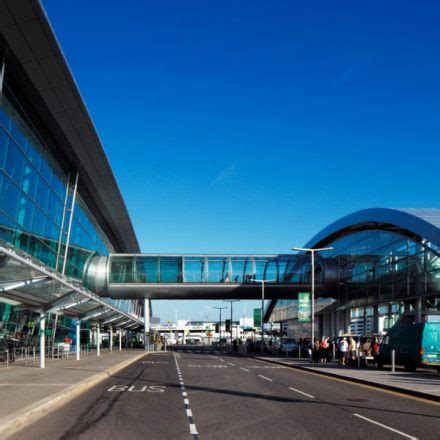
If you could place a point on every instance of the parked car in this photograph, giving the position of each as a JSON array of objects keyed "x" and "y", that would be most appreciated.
[
  {"x": 288, "y": 345},
  {"x": 415, "y": 344}
]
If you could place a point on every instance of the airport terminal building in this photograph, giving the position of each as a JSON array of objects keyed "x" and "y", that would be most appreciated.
[
  {"x": 69, "y": 255},
  {"x": 59, "y": 201},
  {"x": 383, "y": 262}
]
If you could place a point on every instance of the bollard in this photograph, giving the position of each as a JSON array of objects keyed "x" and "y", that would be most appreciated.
[
  {"x": 393, "y": 361},
  {"x": 358, "y": 354},
  {"x": 7, "y": 358}
]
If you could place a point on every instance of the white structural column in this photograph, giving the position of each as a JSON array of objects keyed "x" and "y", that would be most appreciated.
[
  {"x": 42, "y": 341},
  {"x": 120, "y": 339},
  {"x": 110, "y": 342},
  {"x": 78, "y": 339},
  {"x": 98, "y": 341},
  {"x": 146, "y": 322}
]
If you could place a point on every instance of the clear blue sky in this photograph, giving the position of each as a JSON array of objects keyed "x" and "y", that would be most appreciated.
[{"x": 247, "y": 126}]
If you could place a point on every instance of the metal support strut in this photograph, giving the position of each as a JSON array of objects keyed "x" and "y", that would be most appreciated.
[
  {"x": 146, "y": 322},
  {"x": 98, "y": 341},
  {"x": 42, "y": 341},
  {"x": 78, "y": 339}
]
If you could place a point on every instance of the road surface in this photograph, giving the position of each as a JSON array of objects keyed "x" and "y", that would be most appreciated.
[{"x": 201, "y": 394}]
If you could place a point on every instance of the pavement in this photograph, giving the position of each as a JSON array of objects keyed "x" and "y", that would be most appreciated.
[
  {"x": 28, "y": 392},
  {"x": 198, "y": 393},
  {"x": 423, "y": 383}
]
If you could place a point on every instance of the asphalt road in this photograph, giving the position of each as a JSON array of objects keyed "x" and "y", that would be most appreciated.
[{"x": 205, "y": 395}]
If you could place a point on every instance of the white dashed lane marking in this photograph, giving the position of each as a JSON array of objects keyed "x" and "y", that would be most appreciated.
[
  {"x": 301, "y": 392},
  {"x": 192, "y": 426},
  {"x": 264, "y": 377},
  {"x": 386, "y": 427}
]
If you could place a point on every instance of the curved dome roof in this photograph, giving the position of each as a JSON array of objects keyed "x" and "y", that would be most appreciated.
[{"x": 416, "y": 223}]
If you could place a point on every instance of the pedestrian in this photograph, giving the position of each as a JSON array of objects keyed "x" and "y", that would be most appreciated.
[
  {"x": 323, "y": 350},
  {"x": 342, "y": 349},
  {"x": 316, "y": 351},
  {"x": 375, "y": 348},
  {"x": 352, "y": 349},
  {"x": 11, "y": 350}
]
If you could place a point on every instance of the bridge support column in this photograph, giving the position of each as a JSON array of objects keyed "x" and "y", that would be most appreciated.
[
  {"x": 110, "y": 342},
  {"x": 333, "y": 324},
  {"x": 347, "y": 321},
  {"x": 120, "y": 339},
  {"x": 146, "y": 322},
  {"x": 375, "y": 319},
  {"x": 419, "y": 306}
]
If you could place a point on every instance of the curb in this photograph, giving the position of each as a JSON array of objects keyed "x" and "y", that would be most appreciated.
[
  {"x": 395, "y": 389},
  {"x": 19, "y": 419}
]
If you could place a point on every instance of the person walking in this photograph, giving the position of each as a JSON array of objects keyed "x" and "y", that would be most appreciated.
[{"x": 342, "y": 349}]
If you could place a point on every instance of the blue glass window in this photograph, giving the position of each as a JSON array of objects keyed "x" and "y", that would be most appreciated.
[
  {"x": 4, "y": 141},
  {"x": 170, "y": 269},
  {"x": 194, "y": 270},
  {"x": 15, "y": 162},
  {"x": 218, "y": 270}
]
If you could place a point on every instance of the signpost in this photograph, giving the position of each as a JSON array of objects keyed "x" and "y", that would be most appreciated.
[
  {"x": 257, "y": 317},
  {"x": 304, "y": 307}
]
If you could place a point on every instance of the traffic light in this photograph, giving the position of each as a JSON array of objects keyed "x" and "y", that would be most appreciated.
[
  {"x": 228, "y": 325},
  {"x": 217, "y": 328}
]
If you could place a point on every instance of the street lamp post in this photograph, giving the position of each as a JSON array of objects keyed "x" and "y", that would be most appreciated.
[
  {"x": 262, "y": 307},
  {"x": 231, "y": 301},
  {"x": 220, "y": 326},
  {"x": 312, "y": 311}
]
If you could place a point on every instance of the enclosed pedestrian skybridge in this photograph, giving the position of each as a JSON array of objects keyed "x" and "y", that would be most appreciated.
[{"x": 160, "y": 276}]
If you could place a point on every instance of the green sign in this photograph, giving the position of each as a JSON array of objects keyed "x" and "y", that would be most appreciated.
[
  {"x": 257, "y": 317},
  {"x": 304, "y": 307}
]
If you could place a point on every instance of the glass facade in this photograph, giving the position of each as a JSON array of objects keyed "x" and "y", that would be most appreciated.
[
  {"x": 35, "y": 209},
  {"x": 282, "y": 269},
  {"x": 376, "y": 268},
  {"x": 35, "y": 201}
]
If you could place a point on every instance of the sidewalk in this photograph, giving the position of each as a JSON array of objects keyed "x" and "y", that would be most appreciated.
[
  {"x": 424, "y": 384},
  {"x": 27, "y": 392}
]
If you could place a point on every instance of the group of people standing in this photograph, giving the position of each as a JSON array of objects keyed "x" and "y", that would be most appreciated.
[
  {"x": 347, "y": 349},
  {"x": 321, "y": 350}
]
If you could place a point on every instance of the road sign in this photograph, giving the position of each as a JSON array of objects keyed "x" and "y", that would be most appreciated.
[
  {"x": 257, "y": 317},
  {"x": 304, "y": 307}
]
